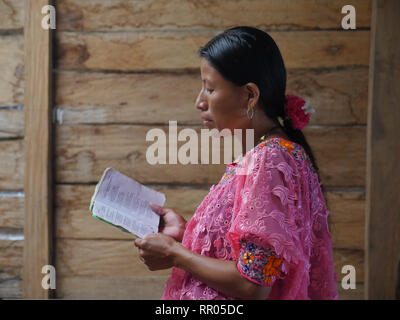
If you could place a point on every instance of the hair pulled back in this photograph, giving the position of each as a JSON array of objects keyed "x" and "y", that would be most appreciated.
[{"x": 246, "y": 54}]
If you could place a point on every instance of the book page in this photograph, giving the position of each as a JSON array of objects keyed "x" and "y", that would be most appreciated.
[{"x": 124, "y": 202}]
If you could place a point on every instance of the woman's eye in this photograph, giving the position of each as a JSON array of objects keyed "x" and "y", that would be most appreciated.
[{"x": 210, "y": 90}]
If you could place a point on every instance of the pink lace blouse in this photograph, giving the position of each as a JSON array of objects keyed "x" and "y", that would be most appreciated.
[{"x": 267, "y": 213}]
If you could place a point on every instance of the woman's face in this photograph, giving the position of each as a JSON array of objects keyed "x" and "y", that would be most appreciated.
[{"x": 222, "y": 104}]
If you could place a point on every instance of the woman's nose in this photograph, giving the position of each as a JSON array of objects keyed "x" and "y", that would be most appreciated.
[{"x": 201, "y": 104}]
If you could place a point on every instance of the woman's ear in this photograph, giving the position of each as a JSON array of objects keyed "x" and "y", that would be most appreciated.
[{"x": 253, "y": 94}]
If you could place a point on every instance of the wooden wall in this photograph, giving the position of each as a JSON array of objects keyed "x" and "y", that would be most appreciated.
[
  {"x": 11, "y": 147},
  {"x": 126, "y": 66}
]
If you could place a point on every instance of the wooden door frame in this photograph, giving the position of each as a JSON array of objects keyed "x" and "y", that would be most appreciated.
[
  {"x": 38, "y": 183},
  {"x": 382, "y": 217}
]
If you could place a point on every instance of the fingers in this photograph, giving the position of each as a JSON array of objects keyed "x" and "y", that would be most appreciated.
[
  {"x": 142, "y": 256},
  {"x": 157, "y": 209},
  {"x": 150, "y": 261},
  {"x": 140, "y": 243},
  {"x": 144, "y": 242},
  {"x": 142, "y": 253}
]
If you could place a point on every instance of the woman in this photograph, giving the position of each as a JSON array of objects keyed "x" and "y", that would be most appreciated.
[{"x": 263, "y": 234}]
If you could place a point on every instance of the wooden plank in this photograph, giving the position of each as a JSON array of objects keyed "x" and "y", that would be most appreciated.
[
  {"x": 339, "y": 96},
  {"x": 123, "y": 288},
  {"x": 12, "y": 69},
  {"x": 347, "y": 218},
  {"x": 355, "y": 258},
  {"x": 352, "y": 294},
  {"x": 11, "y": 212},
  {"x": 11, "y": 15},
  {"x": 131, "y": 98},
  {"x": 97, "y": 258},
  {"x": 10, "y": 288},
  {"x": 138, "y": 288},
  {"x": 177, "y": 14},
  {"x": 12, "y": 164},
  {"x": 340, "y": 154},
  {"x": 170, "y": 51},
  {"x": 11, "y": 123},
  {"x": 106, "y": 258},
  {"x": 383, "y": 154},
  {"x": 83, "y": 152},
  {"x": 11, "y": 82},
  {"x": 11, "y": 259},
  {"x": 38, "y": 164},
  {"x": 11, "y": 256},
  {"x": 74, "y": 221},
  {"x": 112, "y": 145}
]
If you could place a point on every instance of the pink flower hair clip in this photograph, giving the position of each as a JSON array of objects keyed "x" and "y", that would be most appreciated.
[{"x": 298, "y": 111}]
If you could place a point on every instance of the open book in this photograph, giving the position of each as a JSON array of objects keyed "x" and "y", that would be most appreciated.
[{"x": 124, "y": 203}]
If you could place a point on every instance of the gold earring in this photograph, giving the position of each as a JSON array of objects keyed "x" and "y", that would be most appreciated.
[{"x": 252, "y": 113}]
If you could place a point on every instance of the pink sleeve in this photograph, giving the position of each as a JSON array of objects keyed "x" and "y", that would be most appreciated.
[{"x": 264, "y": 206}]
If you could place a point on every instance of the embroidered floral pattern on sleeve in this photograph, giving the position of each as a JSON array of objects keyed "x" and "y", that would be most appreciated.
[{"x": 258, "y": 265}]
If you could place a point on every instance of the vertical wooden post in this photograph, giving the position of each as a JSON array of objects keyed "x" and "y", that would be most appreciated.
[
  {"x": 38, "y": 169},
  {"x": 382, "y": 241}
]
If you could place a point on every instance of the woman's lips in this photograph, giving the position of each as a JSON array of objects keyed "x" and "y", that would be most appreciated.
[{"x": 206, "y": 121}]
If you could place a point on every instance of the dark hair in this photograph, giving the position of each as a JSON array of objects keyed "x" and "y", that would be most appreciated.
[{"x": 246, "y": 54}]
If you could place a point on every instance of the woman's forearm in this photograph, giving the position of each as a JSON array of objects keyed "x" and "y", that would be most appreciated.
[{"x": 222, "y": 275}]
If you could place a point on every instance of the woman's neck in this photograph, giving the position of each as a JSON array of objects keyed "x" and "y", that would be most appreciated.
[{"x": 271, "y": 132}]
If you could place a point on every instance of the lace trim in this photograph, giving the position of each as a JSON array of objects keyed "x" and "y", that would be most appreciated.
[{"x": 295, "y": 150}]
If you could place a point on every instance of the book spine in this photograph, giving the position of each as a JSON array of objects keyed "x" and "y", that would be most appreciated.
[{"x": 96, "y": 190}]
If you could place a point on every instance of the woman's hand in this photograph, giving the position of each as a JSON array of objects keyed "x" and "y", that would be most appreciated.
[
  {"x": 171, "y": 223},
  {"x": 159, "y": 251},
  {"x": 156, "y": 251}
]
